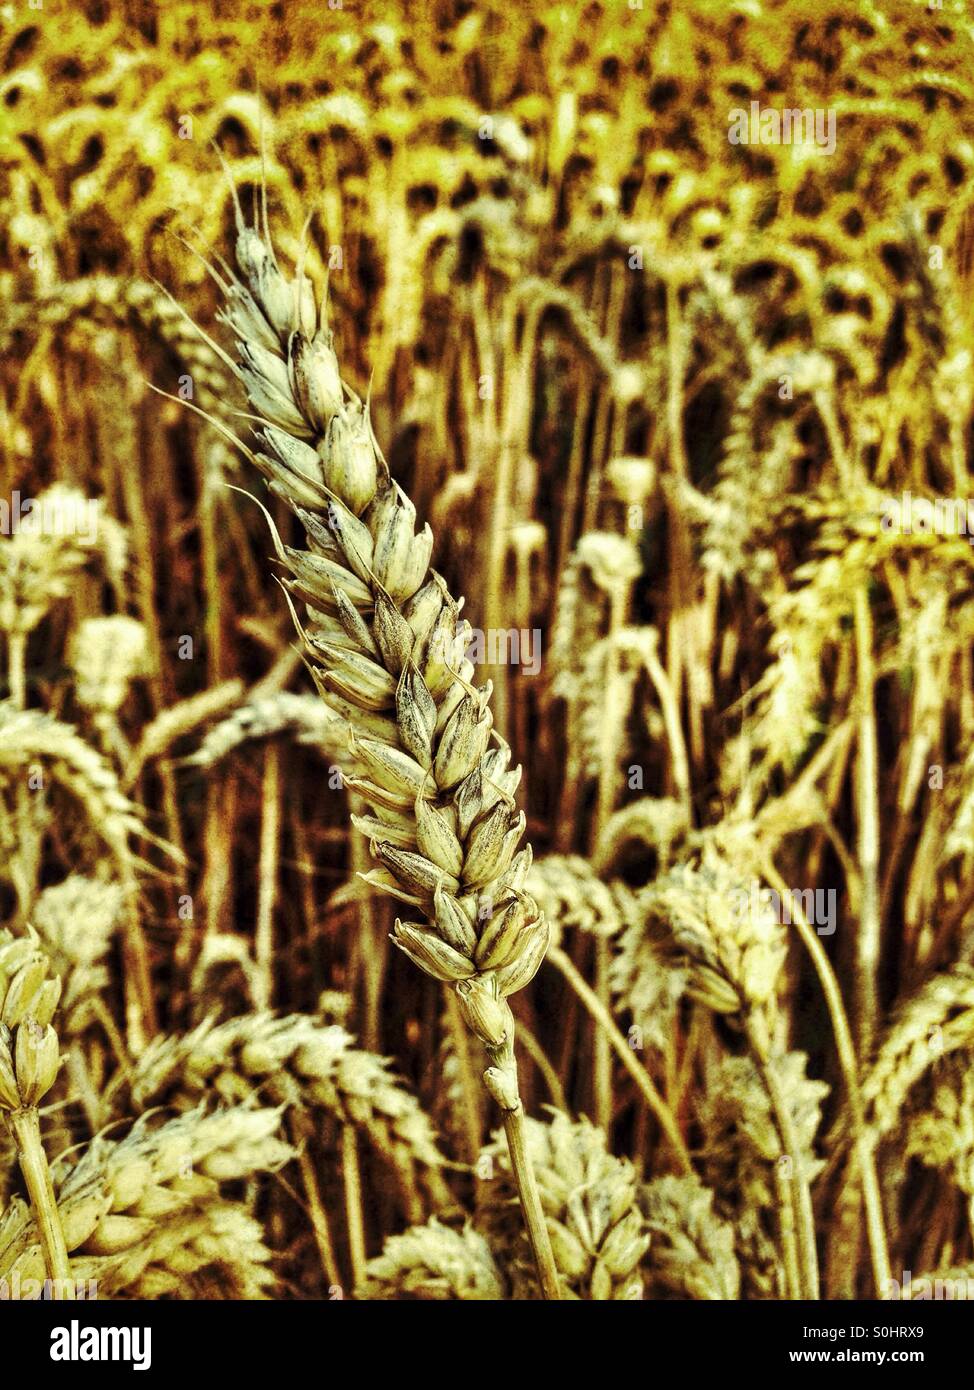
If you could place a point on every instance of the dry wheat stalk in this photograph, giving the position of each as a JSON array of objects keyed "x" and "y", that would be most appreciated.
[
  {"x": 295, "y": 1061},
  {"x": 434, "y": 1262},
  {"x": 386, "y": 644}
]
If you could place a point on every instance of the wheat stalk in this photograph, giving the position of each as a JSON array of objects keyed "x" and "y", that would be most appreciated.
[
  {"x": 386, "y": 644},
  {"x": 733, "y": 959}
]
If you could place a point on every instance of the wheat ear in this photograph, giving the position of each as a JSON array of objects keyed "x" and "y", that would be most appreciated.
[
  {"x": 591, "y": 1206},
  {"x": 386, "y": 645},
  {"x": 144, "y": 1213},
  {"x": 29, "y": 1059},
  {"x": 296, "y": 1061},
  {"x": 435, "y": 1263}
]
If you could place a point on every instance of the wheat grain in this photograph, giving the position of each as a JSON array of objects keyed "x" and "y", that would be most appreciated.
[
  {"x": 780, "y": 1119},
  {"x": 732, "y": 956},
  {"x": 267, "y": 716},
  {"x": 42, "y": 556},
  {"x": 571, "y": 894},
  {"x": 941, "y": 1135},
  {"x": 747, "y": 1161},
  {"x": 29, "y": 738},
  {"x": 216, "y": 1252},
  {"x": 659, "y": 822},
  {"x": 97, "y": 299},
  {"x": 602, "y": 566},
  {"x": 106, "y": 654},
  {"x": 28, "y": 1044},
  {"x": 176, "y": 722},
  {"x": 29, "y": 1060}
]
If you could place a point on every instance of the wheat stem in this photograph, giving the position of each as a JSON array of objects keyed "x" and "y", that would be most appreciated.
[
  {"x": 16, "y": 667},
  {"x": 469, "y": 1108},
  {"x": 353, "y": 1203},
  {"x": 316, "y": 1207},
  {"x": 26, "y": 1128},
  {"x": 800, "y": 1192},
  {"x": 540, "y": 1059},
  {"x": 786, "y": 1230},
  {"x": 667, "y": 1120},
  {"x": 270, "y": 834},
  {"x": 530, "y": 1198},
  {"x": 867, "y": 797},
  {"x": 846, "y": 1052}
]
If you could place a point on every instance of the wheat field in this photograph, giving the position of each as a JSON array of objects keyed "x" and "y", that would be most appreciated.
[{"x": 486, "y": 650}]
